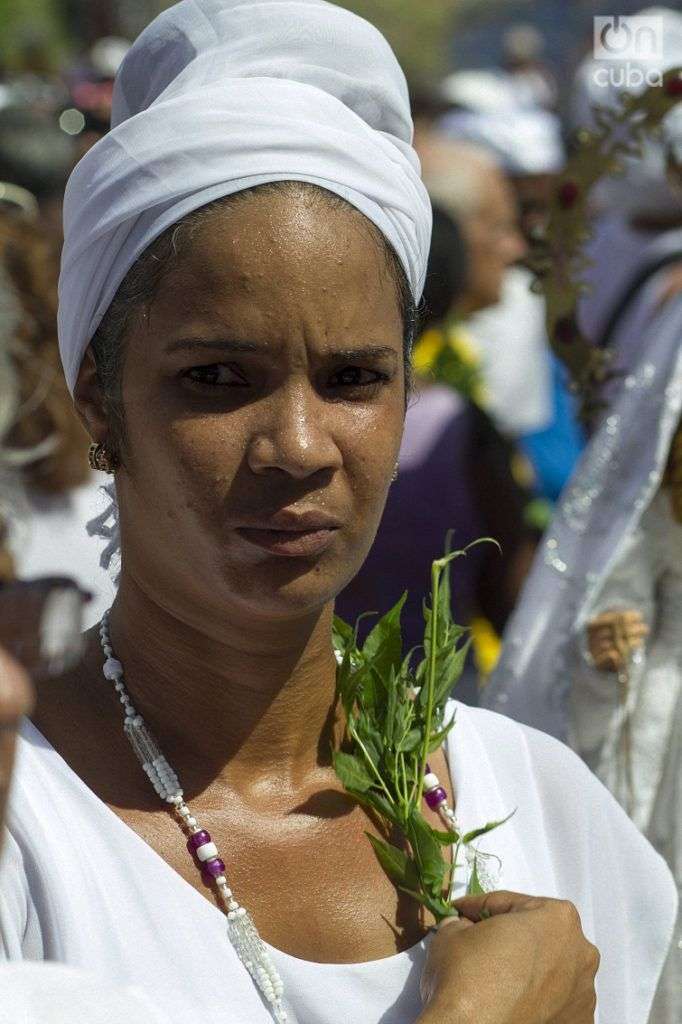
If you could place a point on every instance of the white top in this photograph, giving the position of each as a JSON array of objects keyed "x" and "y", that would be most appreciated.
[
  {"x": 55, "y": 994},
  {"x": 80, "y": 887}
]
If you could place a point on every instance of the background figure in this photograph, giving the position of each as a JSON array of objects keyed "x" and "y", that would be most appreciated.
[
  {"x": 593, "y": 653},
  {"x": 455, "y": 472},
  {"x": 59, "y": 491},
  {"x": 528, "y": 395}
]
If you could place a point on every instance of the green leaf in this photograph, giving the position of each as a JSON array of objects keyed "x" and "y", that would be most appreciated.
[
  {"x": 439, "y": 907},
  {"x": 450, "y": 671},
  {"x": 343, "y": 637},
  {"x": 399, "y": 867},
  {"x": 411, "y": 741},
  {"x": 378, "y": 803},
  {"x": 474, "y": 888},
  {"x": 427, "y": 853},
  {"x": 384, "y": 645},
  {"x": 370, "y": 737},
  {"x": 470, "y": 836},
  {"x": 446, "y": 838},
  {"x": 351, "y": 771},
  {"x": 438, "y": 738}
]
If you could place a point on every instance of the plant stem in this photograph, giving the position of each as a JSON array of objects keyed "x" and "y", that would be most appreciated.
[
  {"x": 431, "y": 681},
  {"x": 370, "y": 762}
]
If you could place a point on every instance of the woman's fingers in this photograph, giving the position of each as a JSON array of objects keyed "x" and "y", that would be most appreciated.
[{"x": 490, "y": 904}]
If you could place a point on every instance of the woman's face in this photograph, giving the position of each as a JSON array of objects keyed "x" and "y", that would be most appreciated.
[{"x": 264, "y": 397}]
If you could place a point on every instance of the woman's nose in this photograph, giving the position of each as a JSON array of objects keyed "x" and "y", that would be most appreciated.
[{"x": 294, "y": 434}]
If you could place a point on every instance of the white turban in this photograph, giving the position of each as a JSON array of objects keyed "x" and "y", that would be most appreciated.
[
  {"x": 217, "y": 96},
  {"x": 525, "y": 141}
]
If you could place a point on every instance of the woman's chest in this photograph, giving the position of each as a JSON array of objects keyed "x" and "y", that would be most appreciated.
[
  {"x": 308, "y": 875},
  {"x": 312, "y": 885}
]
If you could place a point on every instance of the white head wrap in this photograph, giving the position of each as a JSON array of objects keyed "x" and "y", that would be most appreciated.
[
  {"x": 217, "y": 96},
  {"x": 525, "y": 141},
  {"x": 493, "y": 112}
]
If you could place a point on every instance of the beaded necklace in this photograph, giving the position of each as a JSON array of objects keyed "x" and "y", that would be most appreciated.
[{"x": 241, "y": 929}]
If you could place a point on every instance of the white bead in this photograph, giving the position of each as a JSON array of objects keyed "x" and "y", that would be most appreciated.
[
  {"x": 207, "y": 852},
  {"x": 431, "y": 781},
  {"x": 231, "y": 915},
  {"x": 112, "y": 669},
  {"x": 191, "y": 821},
  {"x": 233, "y": 905}
]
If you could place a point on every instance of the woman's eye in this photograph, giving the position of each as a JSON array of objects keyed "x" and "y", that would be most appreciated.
[
  {"x": 356, "y": 376},
  {"x": 217, "y": 374}
]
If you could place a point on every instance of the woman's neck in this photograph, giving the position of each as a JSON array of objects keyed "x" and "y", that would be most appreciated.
[{"x": 245, "y": 704}]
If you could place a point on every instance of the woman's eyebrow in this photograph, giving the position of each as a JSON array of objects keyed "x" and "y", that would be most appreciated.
[
  {"x": 230, "y": 345},
  {"x": 222, "y": 344},
  {"x": 366, "y": 352}
]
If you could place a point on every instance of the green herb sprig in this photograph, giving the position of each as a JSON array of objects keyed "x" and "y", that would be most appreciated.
[{"x": 395, "y": 718}]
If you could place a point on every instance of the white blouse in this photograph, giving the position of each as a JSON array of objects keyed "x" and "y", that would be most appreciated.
[{"x": 78, "y": 886}]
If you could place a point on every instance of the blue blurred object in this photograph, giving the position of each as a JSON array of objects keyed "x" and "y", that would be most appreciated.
[{"x": 555, "y": 450}]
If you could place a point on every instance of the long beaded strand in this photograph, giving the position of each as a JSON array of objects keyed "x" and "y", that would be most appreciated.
[{"x": 240, "y": 926}]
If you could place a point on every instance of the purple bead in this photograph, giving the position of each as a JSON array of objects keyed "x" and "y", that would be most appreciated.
[
  {"x": 436, "y": 797},
  {"x": 197, "y": 840},
  {"x": 211, "y": 869}
]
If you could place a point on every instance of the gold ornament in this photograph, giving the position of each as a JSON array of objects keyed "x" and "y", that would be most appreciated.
[{"x": 101, "y": 459}]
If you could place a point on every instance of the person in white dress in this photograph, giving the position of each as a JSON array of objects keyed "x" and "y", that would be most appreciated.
[
  {"x": 593, "y": 653},
  {"x": 243, "y": 255}
]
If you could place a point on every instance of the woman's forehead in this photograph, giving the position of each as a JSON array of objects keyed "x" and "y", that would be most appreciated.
[{"x": 271, "y": 258}]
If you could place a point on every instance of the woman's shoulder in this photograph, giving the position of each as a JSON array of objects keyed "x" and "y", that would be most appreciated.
[
  {"x": 542, "y": 776},
  {"x": 505, "y": 737}
]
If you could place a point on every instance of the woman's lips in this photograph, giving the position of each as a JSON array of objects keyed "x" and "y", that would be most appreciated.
[{"x": 289, "y": 543}]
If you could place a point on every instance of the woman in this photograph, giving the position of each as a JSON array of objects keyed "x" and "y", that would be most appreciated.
[{"x": 240, "y": 364}]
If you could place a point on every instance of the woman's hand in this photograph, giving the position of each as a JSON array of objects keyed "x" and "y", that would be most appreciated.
[
  {"x": 612, "y": 636},
  {"x": 16, "y": 700},
  {"x": 526, "y": 962}
]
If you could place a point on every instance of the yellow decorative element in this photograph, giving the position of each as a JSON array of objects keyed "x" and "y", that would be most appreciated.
[
  {"x": 427, "y": 349},
  {"x": 558, "y": 259},
  {"x": 428, "y": 362},
  {"x": 487, "y": 646},
  {"x": 522, "y": 471}
]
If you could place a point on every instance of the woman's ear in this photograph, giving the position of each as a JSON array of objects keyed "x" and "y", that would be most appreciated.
[{"x": 89, "y": 400}]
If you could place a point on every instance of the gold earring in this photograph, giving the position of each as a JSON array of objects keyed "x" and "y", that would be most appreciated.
[{"x": 101, "y": 459}]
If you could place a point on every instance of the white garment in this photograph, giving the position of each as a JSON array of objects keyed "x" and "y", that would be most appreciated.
[
  {"x": 80, "y": 887},
  {"x": 32, "y": 993},
  {"x": 51, "y": 540},
  {"x": 511, "y": 340}
]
